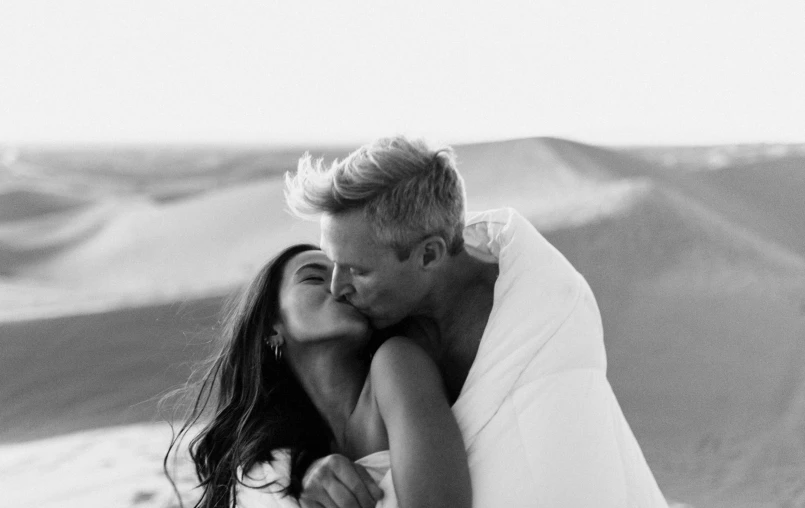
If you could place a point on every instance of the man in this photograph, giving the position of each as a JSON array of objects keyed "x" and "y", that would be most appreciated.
[{"x": 512, "y": 326}]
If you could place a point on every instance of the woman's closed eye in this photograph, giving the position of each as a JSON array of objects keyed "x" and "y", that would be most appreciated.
[{"x": 313, "y": 273}]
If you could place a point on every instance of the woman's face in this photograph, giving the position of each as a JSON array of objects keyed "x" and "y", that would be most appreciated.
[{"x": 308, "y": 311}]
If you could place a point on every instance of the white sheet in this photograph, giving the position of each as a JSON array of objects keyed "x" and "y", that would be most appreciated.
[{"x": 255, "y": 495}]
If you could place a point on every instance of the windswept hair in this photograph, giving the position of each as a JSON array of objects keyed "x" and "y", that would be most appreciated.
[
  {"x": 250, "y": 403},
  {"x": 405, "y": 190}
]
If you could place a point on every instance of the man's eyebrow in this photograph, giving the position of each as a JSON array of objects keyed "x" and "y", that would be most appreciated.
[{"x": 314, "y": 266}]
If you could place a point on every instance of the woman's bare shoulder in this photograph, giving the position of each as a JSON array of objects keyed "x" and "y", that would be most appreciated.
[
  {"x": 398, "y": 350},
  {"x": 400, "y": 363}
]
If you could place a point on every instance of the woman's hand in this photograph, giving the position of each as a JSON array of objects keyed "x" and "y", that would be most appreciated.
[{"x": 335, "y": 481}]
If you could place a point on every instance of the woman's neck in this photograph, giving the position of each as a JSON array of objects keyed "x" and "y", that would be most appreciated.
[{"x": 333, "y": 376}]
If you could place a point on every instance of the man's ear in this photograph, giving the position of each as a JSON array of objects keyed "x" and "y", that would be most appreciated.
[{"x": 431, "y": 252}]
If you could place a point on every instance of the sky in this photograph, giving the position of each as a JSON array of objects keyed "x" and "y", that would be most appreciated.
[{"x": 292, "y": 72}]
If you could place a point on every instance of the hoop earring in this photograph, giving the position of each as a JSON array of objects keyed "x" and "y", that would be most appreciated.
[{"x": 277, "y": 351}]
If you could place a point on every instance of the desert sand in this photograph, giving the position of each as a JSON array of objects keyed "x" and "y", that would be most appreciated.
[{"x": 112, "y": 279}]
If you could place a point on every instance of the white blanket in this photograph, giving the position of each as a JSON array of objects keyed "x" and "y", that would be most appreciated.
[{"x": 537, "y": 414}]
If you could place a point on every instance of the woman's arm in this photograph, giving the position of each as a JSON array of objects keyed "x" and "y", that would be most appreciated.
[{"x": 428, "y": 459}]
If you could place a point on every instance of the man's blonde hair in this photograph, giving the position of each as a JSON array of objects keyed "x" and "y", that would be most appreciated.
[{"x": 405, "y": 190}]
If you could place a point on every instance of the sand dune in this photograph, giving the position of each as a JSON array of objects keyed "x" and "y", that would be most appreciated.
[
  {"x": 776, "y": 188},
  {"x": 700, "y": 278},
  {"x": 163, "y": 173},
  {"x": 762, "y": 197},
  {"x": 24, "y": 243},
  {"x": 20, "y": 203},
  {"x": 704, "y": 327},
  {"x": 140, "y": 252},
  {"x": 182, "y": 244},
  {"x": 36, "y": 222}
]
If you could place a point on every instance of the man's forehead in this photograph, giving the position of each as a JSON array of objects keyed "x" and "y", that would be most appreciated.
[
  {"x": 353, "y": 223},
  {"x": 346, "y": 238},
  {"x": 345, "y": 229}
]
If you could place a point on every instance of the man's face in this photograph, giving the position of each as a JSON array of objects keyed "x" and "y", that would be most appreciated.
[{"x": 368, "y": 274}]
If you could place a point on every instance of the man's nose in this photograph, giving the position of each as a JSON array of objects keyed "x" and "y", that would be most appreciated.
[{"x": 341, "y": 283}]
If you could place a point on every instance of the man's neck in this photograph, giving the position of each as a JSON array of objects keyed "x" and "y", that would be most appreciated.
[{"x": 459, "y": 307}]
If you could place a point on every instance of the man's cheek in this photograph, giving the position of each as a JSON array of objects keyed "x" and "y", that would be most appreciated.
[
  {"x": 367, "y": 294},
  {"x": 364, "y": 287}
]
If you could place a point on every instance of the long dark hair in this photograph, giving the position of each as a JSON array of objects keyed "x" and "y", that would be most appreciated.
[{"x": 255, "y": 403}]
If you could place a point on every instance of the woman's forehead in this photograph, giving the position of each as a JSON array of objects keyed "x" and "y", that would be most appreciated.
[{"x": 311, "y": 258}]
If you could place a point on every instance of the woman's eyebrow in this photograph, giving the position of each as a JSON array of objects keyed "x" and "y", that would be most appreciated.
[{"x": 313, "y": 266}]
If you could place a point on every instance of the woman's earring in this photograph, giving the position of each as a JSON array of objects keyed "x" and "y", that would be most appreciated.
[{"x": 277, "y": 351}]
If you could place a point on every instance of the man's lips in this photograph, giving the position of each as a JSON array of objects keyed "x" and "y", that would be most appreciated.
[
  {"x": 359, "y": 309},
  {"x": 350, "y": 304}
]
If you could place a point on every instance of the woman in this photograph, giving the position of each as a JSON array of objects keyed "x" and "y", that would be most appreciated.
[{"x": 299, "y": 372}]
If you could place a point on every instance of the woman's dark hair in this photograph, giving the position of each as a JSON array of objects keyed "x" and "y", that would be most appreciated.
[{"x": 255, "y": 404}]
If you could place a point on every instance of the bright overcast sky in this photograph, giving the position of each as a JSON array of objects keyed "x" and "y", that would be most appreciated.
[{"x": 293, "y": 71}]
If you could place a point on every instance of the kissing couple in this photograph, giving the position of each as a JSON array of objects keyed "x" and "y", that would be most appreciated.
[{"x": 419, "y": 356}]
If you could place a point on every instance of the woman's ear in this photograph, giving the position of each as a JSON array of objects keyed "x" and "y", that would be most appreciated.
[
  {"x": 275, "y": 336},
  {"x": 431, "y": 252},
  {"x": 275, "y": 340}
]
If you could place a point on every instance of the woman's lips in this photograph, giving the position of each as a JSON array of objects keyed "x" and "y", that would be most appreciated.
[
  {"x": 348, "y": 304},
  {"x": 359, "y": 309}
]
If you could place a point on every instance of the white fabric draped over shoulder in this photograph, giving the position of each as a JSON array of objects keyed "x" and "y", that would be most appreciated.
[
  {"x": 539, "y": 419},
  {"x": 538, "y": 416}
]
